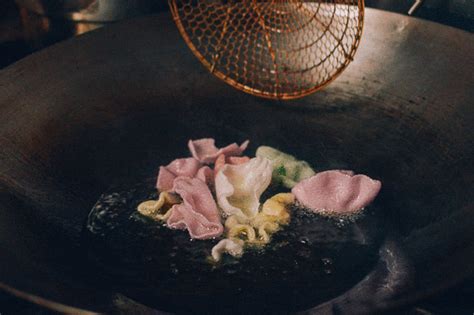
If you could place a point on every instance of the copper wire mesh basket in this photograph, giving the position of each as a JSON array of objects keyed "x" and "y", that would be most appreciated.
[{"x": 273, "y": 49}]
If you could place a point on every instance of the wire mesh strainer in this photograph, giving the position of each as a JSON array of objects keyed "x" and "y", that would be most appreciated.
[{"x": 273, "y": 49}]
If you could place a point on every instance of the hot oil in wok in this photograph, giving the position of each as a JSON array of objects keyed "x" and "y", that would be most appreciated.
[{"x": 311, "y": 260}]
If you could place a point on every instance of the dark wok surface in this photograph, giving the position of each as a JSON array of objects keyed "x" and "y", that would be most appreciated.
[{"x": 110, "y": 106}]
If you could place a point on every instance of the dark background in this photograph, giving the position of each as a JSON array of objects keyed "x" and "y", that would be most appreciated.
[{"x": 23, "y": 32}]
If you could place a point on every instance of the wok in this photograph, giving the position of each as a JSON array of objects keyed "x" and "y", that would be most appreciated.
[{"x": 110, "y": 106}]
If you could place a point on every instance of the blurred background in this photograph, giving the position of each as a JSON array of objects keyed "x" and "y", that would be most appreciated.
[
  {"x": 30, "y": 25},
  {"x": 27, "y": 26}
]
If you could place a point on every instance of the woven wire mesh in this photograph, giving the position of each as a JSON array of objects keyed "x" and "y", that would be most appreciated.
[{"x": 273, "y": 49}]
